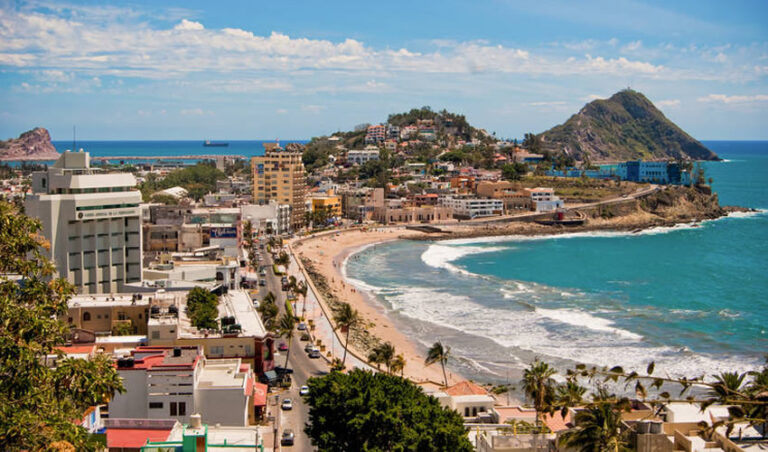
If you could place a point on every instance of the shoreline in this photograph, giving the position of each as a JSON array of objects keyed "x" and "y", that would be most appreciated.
[{"x": 342, "y": 245}]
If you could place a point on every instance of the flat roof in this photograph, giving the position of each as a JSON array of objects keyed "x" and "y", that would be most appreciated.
[
  {"x": 222, "y": 373},
  {"x": 244, "y": 312}
]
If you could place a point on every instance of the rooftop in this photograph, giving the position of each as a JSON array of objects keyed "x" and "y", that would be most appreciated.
[
  {"x": 222, "y": 373},
  {"x": 465, "y": 388}
]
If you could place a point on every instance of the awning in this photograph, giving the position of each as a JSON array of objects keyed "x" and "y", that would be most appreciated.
[
  {"x": 270, "y": 375},
  {"x": 259, "y": 394}
]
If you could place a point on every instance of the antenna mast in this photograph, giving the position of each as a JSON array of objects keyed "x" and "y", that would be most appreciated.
[{"x": 74, "y": 139}]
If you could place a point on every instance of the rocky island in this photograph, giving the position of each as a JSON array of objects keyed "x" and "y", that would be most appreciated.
[{"x": 34, "y": 144}]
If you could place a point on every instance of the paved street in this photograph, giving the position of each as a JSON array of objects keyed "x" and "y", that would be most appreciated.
[{"x": 302, "y": 365}]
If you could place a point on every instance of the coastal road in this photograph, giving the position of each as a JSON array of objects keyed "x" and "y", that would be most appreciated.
[{"x": 303, "y": 367}]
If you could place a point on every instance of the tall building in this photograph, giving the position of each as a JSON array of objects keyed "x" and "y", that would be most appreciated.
[
  {"x": 92, "y": 221},
  {"x": 279, "y": 175}
]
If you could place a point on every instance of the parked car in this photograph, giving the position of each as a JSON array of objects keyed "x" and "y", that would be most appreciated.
[
  {"x": 287, "y": 438},
  {"x": 256, "y": 304},
  {"x": 315, "y": 353},
  {"x": 287, "y": 404},
  {"x": 308, "y": 348},
  {"x": 282, "y": 347},
  {"x": 302, "y": 326},
  {"x": 304, "y": 390},
  {"x": 262, "y": 282}
]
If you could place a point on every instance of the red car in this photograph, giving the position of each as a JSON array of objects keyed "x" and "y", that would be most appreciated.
[{"x": 283, "y": 347}]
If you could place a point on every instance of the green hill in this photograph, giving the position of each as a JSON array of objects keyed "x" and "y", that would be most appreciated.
[{"x": 626, "y": 126}]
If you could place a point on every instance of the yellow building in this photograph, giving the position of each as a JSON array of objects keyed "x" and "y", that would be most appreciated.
[
  {"x": 330, "y": 203},
  {"x": 279, "y": 175}
]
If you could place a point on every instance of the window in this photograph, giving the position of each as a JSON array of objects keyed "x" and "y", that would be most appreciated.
[
  {"x": 155, "y": 335},
  {"x": 173, "y": 408},
  {"x": 86, "y": 316},
  {"x": 155, "y": 405},
  {"x": 182, "y": 408}
]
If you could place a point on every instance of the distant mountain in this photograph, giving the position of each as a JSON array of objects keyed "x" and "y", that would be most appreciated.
[
  {"x": 32, "y": 145},
  {"x": 627, "y": 126}
]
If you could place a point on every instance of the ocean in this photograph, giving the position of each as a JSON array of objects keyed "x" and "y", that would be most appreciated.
[
  {"x": 150, "y": 149},
  {"x": 692, "y": 298}
]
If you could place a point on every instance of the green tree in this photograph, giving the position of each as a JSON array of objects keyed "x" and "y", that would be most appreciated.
[
  {"x": 598, "y": 429},
  {"x": 346, "y": 318},
  {"x": 202, "y": 307},
  {"x": 382, "y": 353},
  {"x": 532, "y": 143},
  {"x": 363, "y": 411},
  {"x": 122, "y": 329},
  {"x": 538, "y": 386},
  {"x": 398, "y": 365},
  {"x": 286, "y": 325},
  {"x": 38, "y": 404},
  {"x": 514, "y": 171},
  {"x": 439, "y": 353},
  {"x": 268, "y": 310}
]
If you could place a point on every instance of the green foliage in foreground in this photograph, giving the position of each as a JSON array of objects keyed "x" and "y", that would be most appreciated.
[
  {"x": 363, "y": 411},
  {"x": 38, "y": 404}
]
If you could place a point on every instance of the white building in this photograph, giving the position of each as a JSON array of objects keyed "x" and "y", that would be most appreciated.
[
  {"x": 272, "y": 217},
  {"x": 544, "y": 199},
  {"x": 466, "y": 207},
  {"x": 362, "y": 156},
  {"x": 175, "y": 382},
  {"x": 92, "y": 221}
]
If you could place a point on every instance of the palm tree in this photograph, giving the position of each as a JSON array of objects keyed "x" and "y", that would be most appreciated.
[
  {"x": 398, "y": 364},
  {"x": 539, "y": 387},
  {"x": 346, "y": 318},
  {"x": 568, "y": 395},
  {"x": 727, "y": 385},
  {"x": 438, "y": 353},
  {"x": 301, "y": 289},
  {"x": 383, "y": 353},
  {"x": 597, "y": 430},
  {"x": 285, "y": 327}
]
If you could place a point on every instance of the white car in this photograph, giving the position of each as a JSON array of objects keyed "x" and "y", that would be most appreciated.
[
  {"x": 287, "y": 404},
  {"x": 304, "y": 390}
]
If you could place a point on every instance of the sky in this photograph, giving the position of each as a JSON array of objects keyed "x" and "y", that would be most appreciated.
[{"x": 193, "y": 70}]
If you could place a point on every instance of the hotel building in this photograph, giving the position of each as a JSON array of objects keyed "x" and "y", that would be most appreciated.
[
  {"x": 92, "y": 221},
  {"x": 279, "y": 175}
]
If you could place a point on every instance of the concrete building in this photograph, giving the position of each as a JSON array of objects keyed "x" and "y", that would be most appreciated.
[
  {"x": 544, "y": 199},
  {"x": 513, "y": 198},
  {"x": 271, "y": 218},
  {"x": 252, "y": 343},
  {"x": 92, "y": 221},
  {"x": 279, "y": 175},
  {"x": 375, "y": 134},
  {"x": 654, "y": 172},
  {"x": 175, "y": 382},
  {"x": 470, "y": 207},
  {"x": 330, "y": 202},
  {"x": 362, "y": 156},
  {"x": 103, "y": 314}
]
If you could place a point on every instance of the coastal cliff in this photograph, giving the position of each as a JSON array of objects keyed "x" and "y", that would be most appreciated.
[
  {"x": 31, "y": 145},
  {"x": 626, "y": 126}
]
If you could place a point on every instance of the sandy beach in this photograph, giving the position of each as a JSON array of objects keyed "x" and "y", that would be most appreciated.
[{"x": 327, "y": 254}]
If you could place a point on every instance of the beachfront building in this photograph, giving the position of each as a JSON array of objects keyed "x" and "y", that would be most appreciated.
[
  {"x": 513, "y": 198},
  {"x": 653, "y": 172},
  {"x": 544, "y": 199},
  {"x": 279, "y": 175},
  {"x": 467, "y": 207},
  {"x": 92, "y": 221},
  {"x": 175, "y": 382},
  {"x": 329, "y": 202},
  {"x": 362, "y": 156},
  {"x": 375, "y": 134}
]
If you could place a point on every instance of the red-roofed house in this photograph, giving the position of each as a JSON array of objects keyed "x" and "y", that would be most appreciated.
[
  {"x": 173, "y": 382},
  {"x": 129, "y": 435},
  {"x": 465, "y": 388}
]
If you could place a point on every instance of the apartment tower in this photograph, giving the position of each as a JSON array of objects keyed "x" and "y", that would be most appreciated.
[
  {"x": 92, "y": 221},
  {"x": 279, "y": 175}
]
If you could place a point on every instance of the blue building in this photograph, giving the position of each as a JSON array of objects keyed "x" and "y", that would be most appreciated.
[{"x": 633, "y": 171}]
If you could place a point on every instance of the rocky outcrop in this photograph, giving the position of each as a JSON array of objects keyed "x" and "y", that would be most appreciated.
[
  {"x": 627, "y": 126},
  {"x": 32, "y": 145}
]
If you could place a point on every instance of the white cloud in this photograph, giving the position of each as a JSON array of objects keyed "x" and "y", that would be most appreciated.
[
  {"x": 591, "y": 97},
  {"x": 722, "y": 98},
  {"x": 546, "y": 103},
  {"x": 669, "y": 103},
  {"x": 189, "y": 25},
  {"x": 632, "y": 46}
]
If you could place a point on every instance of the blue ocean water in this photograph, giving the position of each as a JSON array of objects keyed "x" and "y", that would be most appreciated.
[
  {"x": 149, "y": 149},
  {"x": 693, "y": 298}
]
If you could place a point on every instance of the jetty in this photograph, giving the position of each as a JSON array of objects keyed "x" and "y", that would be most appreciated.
[{"x": 169, "y": 157}]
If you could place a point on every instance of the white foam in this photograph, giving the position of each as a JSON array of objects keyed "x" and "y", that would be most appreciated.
[
  {"x": 750, "y": 214},
  {"x": 441, "y": 256},
  {"x": 586, "y": 320}
]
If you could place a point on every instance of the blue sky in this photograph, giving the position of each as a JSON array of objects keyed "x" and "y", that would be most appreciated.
[{"x": 276, "y": 69}]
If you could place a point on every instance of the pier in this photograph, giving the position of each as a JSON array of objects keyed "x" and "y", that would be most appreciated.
[{"x": 170, "y": 157}]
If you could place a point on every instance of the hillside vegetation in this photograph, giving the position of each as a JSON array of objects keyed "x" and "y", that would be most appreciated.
[{"x": 627, "y": 126}]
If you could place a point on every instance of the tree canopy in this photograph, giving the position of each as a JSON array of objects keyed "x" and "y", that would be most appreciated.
[
  {"x": 198, "y": 180},
  {"x": 39, "y": 404},
  {"x": 202, "y": 307},
  {"x": 363, "y": 411}
]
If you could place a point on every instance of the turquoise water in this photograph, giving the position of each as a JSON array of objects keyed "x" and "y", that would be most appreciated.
[{"x": 692, "y": 298}]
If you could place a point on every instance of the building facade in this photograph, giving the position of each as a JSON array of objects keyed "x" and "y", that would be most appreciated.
[
  {"x": 92, "y": 221},
  {"x": 362, "y": 156},
  {"x": 468, "y": 208},
  {"x": 279, "y": 175}
]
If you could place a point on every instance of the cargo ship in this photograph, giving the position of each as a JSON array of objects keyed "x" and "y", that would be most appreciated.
[{"x": 211, "y": 144}]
